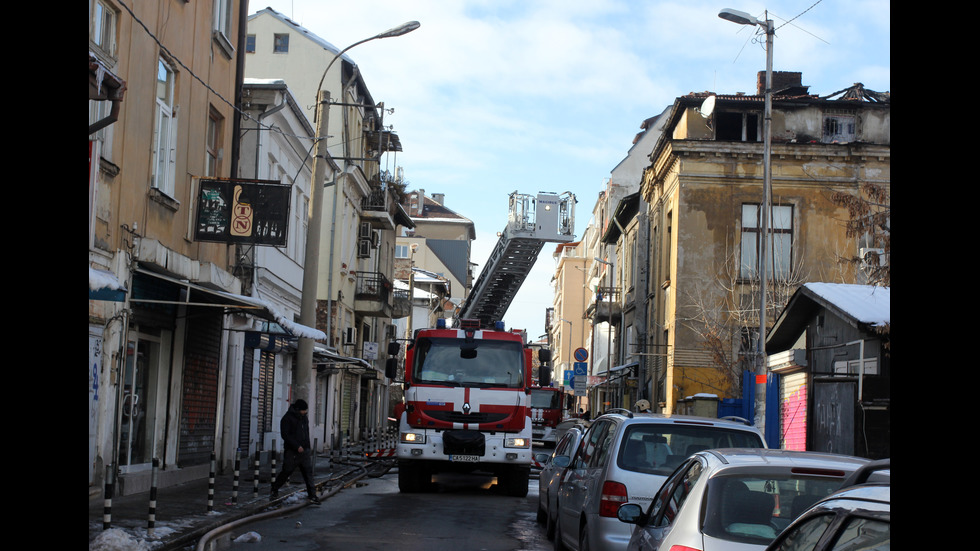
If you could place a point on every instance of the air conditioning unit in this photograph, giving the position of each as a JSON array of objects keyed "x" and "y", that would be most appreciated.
[
  {"x": 350, "y": 336},
  {"x": 365, "y": 231},
  {"x": 363, "y": 248},
  {"x": 869, "y": 255}
]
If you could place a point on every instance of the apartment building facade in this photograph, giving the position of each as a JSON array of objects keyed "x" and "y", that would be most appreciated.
[
  {"x": 360, "y": 213},
  {"x": 703, "y": 189}
]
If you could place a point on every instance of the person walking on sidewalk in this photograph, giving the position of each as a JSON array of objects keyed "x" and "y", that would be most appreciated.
[{"x": 295, "y": 429}]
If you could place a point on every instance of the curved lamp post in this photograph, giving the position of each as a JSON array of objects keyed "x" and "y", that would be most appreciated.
[
  {"x": 311, "y": 261},
  {"x": 743, "y": 18}
]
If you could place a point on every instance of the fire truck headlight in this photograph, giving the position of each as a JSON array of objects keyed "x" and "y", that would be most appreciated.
[
  {"x": 517, "y": 443},
  {"x": 412, "y": 438}
]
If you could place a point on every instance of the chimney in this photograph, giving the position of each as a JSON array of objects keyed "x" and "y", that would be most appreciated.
[
  {"x": 781, "y": 80},
  {"x": 439, "y": 198}
]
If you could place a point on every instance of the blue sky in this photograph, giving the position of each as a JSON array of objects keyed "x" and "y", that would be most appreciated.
[{"x": 496, "y": 96}]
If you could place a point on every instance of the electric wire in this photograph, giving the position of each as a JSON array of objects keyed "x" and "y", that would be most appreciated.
[{"x": 235, "y": 108}]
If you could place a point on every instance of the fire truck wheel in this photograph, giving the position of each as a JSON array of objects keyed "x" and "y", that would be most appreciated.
[
  {"x": 409, "y": 478},
  {"x": 515, "y": 482}
]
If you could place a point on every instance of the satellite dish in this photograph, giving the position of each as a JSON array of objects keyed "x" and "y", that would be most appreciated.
[{"x": 707, "y": 107}]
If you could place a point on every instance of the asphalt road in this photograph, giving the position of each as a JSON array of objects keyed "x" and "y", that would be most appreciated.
[{"x": 465, "y": 513}]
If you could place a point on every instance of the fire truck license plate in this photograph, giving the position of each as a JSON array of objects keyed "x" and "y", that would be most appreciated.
[{"x": 465, "y": 458}]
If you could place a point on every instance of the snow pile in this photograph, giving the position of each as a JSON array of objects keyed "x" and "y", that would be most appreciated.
[
  {"x": 101, "y": 279},
  {"x": 865, "y": 303},
  {"x": 115, "y": 539},
  {"x": 248, "y": 537}
]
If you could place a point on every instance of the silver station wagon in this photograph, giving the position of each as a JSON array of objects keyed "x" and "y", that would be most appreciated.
[{"x": 626, "y": 457}]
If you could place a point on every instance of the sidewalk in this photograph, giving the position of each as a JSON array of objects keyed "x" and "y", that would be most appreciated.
[{"x": 181, "y": 515}]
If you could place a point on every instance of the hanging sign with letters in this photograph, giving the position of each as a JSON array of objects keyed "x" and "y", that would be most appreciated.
[{"x": 243, "y": 211}]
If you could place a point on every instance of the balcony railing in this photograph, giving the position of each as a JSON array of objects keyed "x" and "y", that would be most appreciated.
[
  {"x": 373, "y": 286},
  {"x": 377, "y": 199},
  {"x": 607, "y": 305}
]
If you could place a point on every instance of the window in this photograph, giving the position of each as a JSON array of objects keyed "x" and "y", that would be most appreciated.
[
  {"x": 250, "y": 44},
  {"x": 213, "y": 136},
  {"x": 103, "y": 31},
  {"x": 839, "y": 127},
  {"x": 590, "y": 444},
  {"x": 401, "y": 251},
  {"x": 280, "y": 44},
  {"x": 753, "y": 507},
  {"x": 864, "y": 533},
  {"x": 165, "y": 131},
  {"x": 737, "y": 127},
  {"x": 673, "y": 494},
  {"x": 806, "y": 534},
  {"x": 222, "y": 17},
  {"x": 780, "y": 253}
]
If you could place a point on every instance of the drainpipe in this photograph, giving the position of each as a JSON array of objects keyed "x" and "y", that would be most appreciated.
[
  {"x": 258, "y": 132},
  {"x": 239, "y": 82}
]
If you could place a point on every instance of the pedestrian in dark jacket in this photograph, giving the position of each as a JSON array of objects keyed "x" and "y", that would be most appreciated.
[{"x": 295, "y": 430}]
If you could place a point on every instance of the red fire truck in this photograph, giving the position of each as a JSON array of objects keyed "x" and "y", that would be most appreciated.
[
  {"x": 467, "y": 399},
  {"x": 546, "y": 413}
]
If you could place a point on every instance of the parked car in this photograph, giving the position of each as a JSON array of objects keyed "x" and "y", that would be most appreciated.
[
  {"x": 551, "y": 475},
  {"x": 626, "y": 457},
  {"x": 858, "y": 516},
  {"x": 734, "y": 499}
]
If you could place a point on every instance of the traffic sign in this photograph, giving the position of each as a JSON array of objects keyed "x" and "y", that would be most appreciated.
[
  {"x": 581, "y": 354},
  {"x": 581, "y": 377}
]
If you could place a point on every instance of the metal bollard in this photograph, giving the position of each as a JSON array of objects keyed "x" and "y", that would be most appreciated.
[
  {"x": 272, "y": 460},
  {"x": 234, "y": 483},
  {"x": 151, "y": 518},
  {"x": 107, "y": 493},
  {"x": 313, "y": 460},
  {"x": 211, "y": 485},
  {"x": 255, "y": 465}
]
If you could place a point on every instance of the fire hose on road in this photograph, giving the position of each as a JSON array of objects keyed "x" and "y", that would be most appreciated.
[{"x": 377, "y": 469}]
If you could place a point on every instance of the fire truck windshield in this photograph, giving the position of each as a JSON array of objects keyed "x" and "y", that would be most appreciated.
[
  {"x": 482, "y": 363},
  {"x": 547, "y": 399}
]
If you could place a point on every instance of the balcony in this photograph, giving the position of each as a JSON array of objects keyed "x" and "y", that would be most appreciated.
[
  {"x": 402, "y": 304},
  {"x": 372, "y": 294},
  {"x": 606, "y": 305}
]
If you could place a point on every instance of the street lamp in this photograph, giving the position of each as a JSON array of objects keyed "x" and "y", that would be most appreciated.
[
  {"x": 743, "y": 18},
  {"x": 311, "y": 262},
  {"x": 568, "y": 359}
]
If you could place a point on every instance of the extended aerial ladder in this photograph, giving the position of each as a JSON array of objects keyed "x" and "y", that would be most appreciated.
[{"x": 532, "y": 221}]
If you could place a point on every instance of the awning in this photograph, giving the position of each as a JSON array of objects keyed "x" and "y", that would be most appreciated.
[
  {"x": 323, "y": 355},
  {"x": 198, "y": 295},
  {"x": 103, "y": 285}
]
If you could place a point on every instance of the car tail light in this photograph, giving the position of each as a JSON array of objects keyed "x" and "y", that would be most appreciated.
[
  {"x": 613, "y": 495},
  {"x": 683, "y": 548}
]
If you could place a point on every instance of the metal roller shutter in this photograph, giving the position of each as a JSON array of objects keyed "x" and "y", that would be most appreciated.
[{"x": 198, "y": 414}]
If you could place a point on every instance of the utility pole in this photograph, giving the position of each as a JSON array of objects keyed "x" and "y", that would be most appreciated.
[{"x": 304, "y": 368}]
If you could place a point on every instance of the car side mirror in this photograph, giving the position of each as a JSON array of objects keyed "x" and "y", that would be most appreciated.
[
  {"x": 562, "y": 461},
  {"x": 629, "y": 513}
]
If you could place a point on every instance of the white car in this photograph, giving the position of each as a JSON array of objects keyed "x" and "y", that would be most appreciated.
[
  {"x": 551, "y": 475},
  {"x": 735, "y": 499},
  {"x": 626, "y": 457}
]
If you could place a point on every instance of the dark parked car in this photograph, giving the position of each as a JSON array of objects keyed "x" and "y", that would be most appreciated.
[
  {"x": 858, "y": 516},
  {"x": 551, "y": 475}
]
